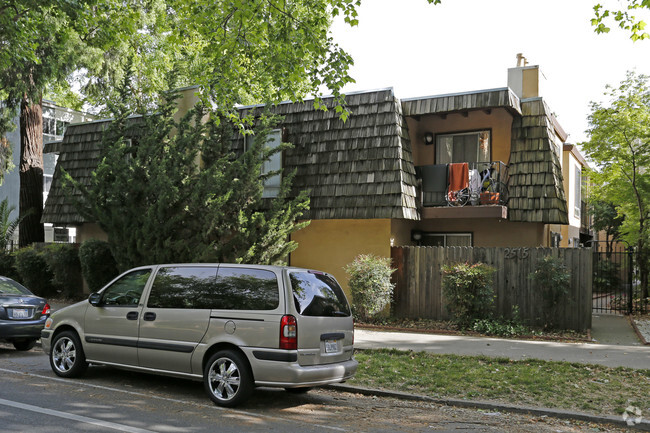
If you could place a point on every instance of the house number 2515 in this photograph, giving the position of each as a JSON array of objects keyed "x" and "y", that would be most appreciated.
[{"x": 516, "y": 253}]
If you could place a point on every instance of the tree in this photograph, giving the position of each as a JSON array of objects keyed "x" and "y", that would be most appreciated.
[
  {"x": 6, "y": 164},
  {"x": 606, "y": 219},
  {"x": 39, "y": 44},
  {"x": 624, "y": 18},
  {"x": 158, "y": 206},
  {"x": 619, "y": 144}
]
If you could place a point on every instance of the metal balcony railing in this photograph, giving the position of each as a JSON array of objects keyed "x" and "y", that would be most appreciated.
[{"x": 486, "y": 185}]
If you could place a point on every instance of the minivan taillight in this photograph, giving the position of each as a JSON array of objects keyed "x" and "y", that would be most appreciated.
[
  {"x": 288, "y": 333},
  {"x": 46, "y": 310}
]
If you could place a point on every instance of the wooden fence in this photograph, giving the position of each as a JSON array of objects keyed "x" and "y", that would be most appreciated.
[{"x": 418, "y": 279}]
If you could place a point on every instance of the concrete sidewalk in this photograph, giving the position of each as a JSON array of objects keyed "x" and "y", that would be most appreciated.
[{"x": 604, "y": 354}]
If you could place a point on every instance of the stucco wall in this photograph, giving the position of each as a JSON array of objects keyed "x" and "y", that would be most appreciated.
[
  {"x": 491, "y": 232},
  {"x": 329, "y": 245},
  {"x": 90, "y": 231},
  {"x": 499, "y": 122}
]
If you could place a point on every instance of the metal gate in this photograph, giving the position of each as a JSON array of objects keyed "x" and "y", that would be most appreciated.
[{"x": 613, "y": 278}]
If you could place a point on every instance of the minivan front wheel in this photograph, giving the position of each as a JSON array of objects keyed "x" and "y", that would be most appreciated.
[
  {"x": 227, "y": 378},
  {"x": 67, "y": 357}
]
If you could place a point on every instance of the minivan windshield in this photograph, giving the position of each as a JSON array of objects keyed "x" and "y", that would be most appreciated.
[{"x": 318, "y": 294}]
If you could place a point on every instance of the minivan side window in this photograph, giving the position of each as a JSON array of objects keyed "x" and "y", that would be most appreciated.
[
  {"x": 246, "y": 289},
  {"x": 202, "y": 288},
  {"x": 183, "y": 287},
  {"x": 318, "y": 294},
  {"x": 127, "y": 290}
]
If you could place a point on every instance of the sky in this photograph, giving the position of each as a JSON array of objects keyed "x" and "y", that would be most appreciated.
[{"x": 420, "y": 49}]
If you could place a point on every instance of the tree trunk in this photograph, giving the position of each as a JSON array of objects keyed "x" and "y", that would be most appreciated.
[{"x": 31, "y": 172}]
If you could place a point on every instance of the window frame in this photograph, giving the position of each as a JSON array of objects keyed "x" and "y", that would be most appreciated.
[
  {"x": 476, "y": 132},
  {"x": 446, "y": 234},
  {"x": 272, "y": 184}
]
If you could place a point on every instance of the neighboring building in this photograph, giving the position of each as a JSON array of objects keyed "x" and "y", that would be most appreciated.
[
  {"x": 378, "y": 179},
  {"x": 55, "y": 121},
  {"x": 578, "y": 231}
]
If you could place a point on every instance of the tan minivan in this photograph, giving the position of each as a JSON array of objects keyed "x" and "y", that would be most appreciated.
[{"x": 232, "y": 326}]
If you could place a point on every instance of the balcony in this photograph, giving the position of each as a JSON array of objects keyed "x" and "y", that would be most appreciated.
[{"x": 465, "y": 190}]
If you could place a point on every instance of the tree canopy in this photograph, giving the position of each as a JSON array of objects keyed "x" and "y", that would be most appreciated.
[
  {"x": 619, "y": 145},
  {"x": 625, "y": 18}
]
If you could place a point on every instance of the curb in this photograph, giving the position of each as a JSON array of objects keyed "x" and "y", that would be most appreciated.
[
  {"x": 638, "y": 333},
  {"x": 643, "y": 425}
]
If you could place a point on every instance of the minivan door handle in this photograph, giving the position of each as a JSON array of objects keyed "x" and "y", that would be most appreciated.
[
  {"x": 149, "y": 316},
  {"x": 132, "y": 315}
]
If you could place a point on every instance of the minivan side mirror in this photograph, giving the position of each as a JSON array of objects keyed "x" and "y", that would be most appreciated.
[{"x": 95, "y": 299}]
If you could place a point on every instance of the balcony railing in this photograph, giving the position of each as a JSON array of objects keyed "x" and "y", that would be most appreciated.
[{"x": 474, "y": 184}]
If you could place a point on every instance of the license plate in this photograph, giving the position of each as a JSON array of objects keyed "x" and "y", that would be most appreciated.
[
  {"x": 331, "y": 346},
  {"x": 20, "y": 313}
]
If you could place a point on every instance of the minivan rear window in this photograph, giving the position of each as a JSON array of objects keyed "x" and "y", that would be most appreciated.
[{"x": 317, "y": 294}]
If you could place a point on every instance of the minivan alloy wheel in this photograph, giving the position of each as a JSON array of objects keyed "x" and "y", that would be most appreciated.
[{"x": 227, "y": 378}]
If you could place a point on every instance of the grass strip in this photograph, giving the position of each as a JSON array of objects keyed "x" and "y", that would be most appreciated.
[{"x": 561, "y": 385}]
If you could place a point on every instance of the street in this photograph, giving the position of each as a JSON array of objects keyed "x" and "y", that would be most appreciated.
[{"x": 32, "y": 398}]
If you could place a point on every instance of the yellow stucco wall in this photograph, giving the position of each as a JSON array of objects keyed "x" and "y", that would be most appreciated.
[
  {"x": 90, "y": 231},
  {"x": 329, "y": 245},
  {"x": 499, "y": 121},
  {"x": 490, "y": 232}
]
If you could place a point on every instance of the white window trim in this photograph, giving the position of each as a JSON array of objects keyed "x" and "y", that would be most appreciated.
[{"x": 273, "y": 184}]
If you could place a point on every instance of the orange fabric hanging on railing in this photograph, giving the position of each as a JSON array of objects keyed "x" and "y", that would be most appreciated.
[{"x": 458, "y": 176}]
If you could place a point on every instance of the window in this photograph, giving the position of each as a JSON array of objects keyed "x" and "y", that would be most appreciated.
[
  {"x": 182, "y": 287},
  {"x": 202, "y": 288},
  {"x": 318, "y": 294},
  {"x": 127, "y": 290},
  {"x": 52, "y": 125},
  {"x": 246, "y": 289},
  {"x": 463, "y": 147},
  {"x": 446, "y": 240},
  {"x": 577, "y": 188},
  {"x": 272, "y": 184}
]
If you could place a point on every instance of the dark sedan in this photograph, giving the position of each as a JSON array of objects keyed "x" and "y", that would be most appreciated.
[{"x": 22, "y": 314}]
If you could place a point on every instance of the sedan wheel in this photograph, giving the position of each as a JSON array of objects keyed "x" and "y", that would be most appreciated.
[
  {"x": 67, "y": 357},
  {"x": 24, "y": 344},
  {"x": 227, "y": 378}
]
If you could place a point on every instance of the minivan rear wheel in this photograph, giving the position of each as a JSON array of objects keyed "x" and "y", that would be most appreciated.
[{"x": 227, "y": 378}]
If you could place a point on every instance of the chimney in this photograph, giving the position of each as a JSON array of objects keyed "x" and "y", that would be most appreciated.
[{"x": 526, "y": 81}]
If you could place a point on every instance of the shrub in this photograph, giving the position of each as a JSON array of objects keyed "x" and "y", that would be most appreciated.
[
  {"x": 97, "y": 263},
  {"x": 34, "y": 272},
  {"x": 370, "y": 285},
  {"x": 468, "y": 291},
  {"x": 502, "y": 327},
  {"x": 553, "y": 280},
  {"x": 8, "y": 266},
  {"x": 63, "y": 262}
]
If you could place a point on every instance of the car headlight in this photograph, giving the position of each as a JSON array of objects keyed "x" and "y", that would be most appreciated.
[{"x": 48, "y": 323}]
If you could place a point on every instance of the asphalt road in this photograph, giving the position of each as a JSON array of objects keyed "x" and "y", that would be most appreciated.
[{"x": 33, "y": 399}]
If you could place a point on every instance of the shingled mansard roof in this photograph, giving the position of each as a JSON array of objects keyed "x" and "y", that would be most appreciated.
[
  {"x": 535, "y": 186},
  {"x": 79, "y": 154},
  {"x": 359, "y": 169},
  {"x": 363, "y": 168},
  {"x": 478, "y": 100}
]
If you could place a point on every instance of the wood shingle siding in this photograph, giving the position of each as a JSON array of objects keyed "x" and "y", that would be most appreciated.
[
  {"x": 483, "y": 99},
  {"x": 359, "y": 169},
  {"x": 80, "y": 151},
  {"x": 535, "y": 185}
]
